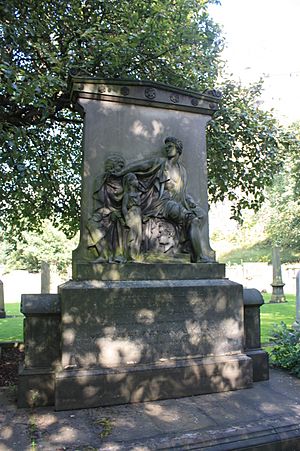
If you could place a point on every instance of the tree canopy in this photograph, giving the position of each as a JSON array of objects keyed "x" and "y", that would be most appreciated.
[
  {"x": 283, "y": 219},
  {"x": 174, "y": 42}
]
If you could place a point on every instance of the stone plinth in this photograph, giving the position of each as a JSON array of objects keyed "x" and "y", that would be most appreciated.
[
  {"x": 2, "y": 307},
  {"x": 146, "y": 271},
  {"x": 146, "y": 340},
  {"x": 253, "y": 300},
  {"x": 170, "y": 379},
  {"x": 42, "y": 349},
  {"x": 296, "y": 324}
]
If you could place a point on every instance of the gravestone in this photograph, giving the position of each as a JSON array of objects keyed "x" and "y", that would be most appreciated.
[
  {"x": 148, "y": 313},
  {"x": 2, "y": 306},
  {"x": 296, "y": 324},
  {"x": 277, "y": 284},
  {"x": 45, "y": 277}
]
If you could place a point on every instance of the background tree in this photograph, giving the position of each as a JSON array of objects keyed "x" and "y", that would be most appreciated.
[
  {"x": 246, "y": 148},
  {"x": 49, "y": 245},
  {"x": 165, "y": 41},
  {"x": 41, "y": 42},
  {"x": 283, "y": 220}
]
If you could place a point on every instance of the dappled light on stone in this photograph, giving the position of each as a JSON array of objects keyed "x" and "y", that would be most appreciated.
[
  {"x": 6, "y": 433},
  {"x": 145, "y": 316},
  {"x": 231, "y": 372},
  {"x": 194, "y": 331},
  {"x": 114, "y": 353},
  {"x": 69, "y": 336},
  {"x": 148, "y": 313}
]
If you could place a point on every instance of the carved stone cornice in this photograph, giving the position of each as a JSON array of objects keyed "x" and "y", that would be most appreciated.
[{"x": 144, "y": 93}]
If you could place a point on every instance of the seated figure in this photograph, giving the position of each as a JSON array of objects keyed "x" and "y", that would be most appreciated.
[{"x": 156, "y": 192}]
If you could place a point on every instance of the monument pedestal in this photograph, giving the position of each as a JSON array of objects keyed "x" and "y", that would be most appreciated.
[
  {"x": 86, "y": 388},
  {"x": 130, "y": 341},
  {"x": 101, "y": 342},
  {"x": 253, "y": 300}
]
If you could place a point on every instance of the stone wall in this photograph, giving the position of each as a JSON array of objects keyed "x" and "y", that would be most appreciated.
[
  {"x": 18, "y": 282},
  {"x": 250, "y": 275},
  {"x": 259, "y": 275}
]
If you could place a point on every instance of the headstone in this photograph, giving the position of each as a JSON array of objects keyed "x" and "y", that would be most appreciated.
[
  {"x": 2, "y": 306},
  {"x": 277, "y": 285},
  {"x": 45, "y": 277},
  {"x": 296, "y": 324},
  {"x": 148, "y": 313}
]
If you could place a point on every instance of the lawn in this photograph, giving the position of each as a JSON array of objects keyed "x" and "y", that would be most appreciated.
[
  {"x": 11, "y": 328},
  {"x": 274, "y": 313}
]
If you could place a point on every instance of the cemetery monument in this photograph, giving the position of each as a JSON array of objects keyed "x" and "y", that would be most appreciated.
[
  {"x": 148, "y": 313},
  {"x": 277, "y": 284},
  {"x": 2, "y": 305},
  {"x": 296, "y": 324}
]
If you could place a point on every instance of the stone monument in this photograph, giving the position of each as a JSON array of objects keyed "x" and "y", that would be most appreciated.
[
  {"x": 2, "y": 305},
  {"x": 148, "y": 313},
  {"x": 45, "y": 277},
  {"x": 277, "y": 284},
  {"x": 296, "y": 324}
]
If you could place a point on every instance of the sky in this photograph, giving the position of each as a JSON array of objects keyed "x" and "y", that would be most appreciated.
[{"x": 263, "y": 40}]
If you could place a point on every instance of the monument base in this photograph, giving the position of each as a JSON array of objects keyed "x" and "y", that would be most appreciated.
[
  {"x": 278, "y": 296},
  {"x": 36, "y": 387},
  {"x": 260, "y": 362},
  {"x": 142, "y": 340},
  {"x": 125, "y": 341},
  {"x": 173, "y": 379}
]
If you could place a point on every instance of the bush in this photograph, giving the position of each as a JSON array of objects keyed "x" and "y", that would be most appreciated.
[
  {"x": 27, "y": 252},
  {"x": 286, "y": 348}
]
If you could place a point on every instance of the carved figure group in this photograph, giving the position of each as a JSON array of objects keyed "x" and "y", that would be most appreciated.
[{"x": 144, "y": 206}]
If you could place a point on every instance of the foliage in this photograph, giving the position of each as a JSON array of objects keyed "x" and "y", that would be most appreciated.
[
  {"x": 40, "y": 166},
  {"x": 245, "y": 148},
  {"x": 295, "y": 157},
  {"x": 283, "y": 219},
  {"x": 165, "y": 41},
  {"x": 258, "y": 252},
  {"x": 41, "y": 42},
  {"x": 51, "y": 245},
  {"x": 286, "y": 350},
  {"x": 283, "y": 222}
]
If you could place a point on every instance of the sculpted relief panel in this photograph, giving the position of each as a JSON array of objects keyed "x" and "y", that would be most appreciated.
[{"x": 142, "y": 207}]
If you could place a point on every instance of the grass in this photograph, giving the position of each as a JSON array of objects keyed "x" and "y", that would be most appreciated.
[
  {"x": 271, "y": 314},
  {"x": 258, "y": 252},
  {"x": 11, "y": 327}
]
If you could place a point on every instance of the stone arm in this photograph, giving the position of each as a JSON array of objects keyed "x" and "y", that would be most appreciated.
[{"x": 147, "y": 167}]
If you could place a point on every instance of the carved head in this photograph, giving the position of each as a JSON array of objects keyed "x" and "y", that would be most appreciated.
[
  {"x": 114, "y": 164},
  {"x": 178, "y": 144}
]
